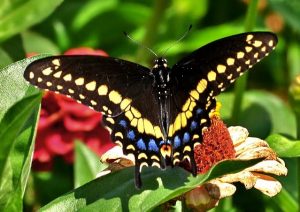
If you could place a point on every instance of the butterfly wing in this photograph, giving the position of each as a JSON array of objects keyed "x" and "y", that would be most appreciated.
[
  {"x": 115, "y": 87},
  {"x": 202, "y": 75}
]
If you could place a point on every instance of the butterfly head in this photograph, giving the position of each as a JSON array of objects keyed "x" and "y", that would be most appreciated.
[{"x": 160, "y": 64}]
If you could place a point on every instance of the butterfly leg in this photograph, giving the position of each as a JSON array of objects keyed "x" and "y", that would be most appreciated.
[{"x": 138, "y": 180}]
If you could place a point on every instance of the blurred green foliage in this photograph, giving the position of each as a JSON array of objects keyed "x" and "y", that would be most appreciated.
[{"x": 52, "y": 27}]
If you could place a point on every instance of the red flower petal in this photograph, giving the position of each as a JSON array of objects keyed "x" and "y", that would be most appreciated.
[
  {"x": 74, "y": 124},
  {"x": 85, "y": 51},
  {"x": 59, "y": 142}
]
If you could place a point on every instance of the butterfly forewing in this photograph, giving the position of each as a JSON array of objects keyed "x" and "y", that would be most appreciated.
[{"x": 99, "y": 82}]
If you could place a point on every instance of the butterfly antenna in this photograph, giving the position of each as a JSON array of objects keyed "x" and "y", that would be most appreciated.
[
  {"x": 139, "y": 44},
  {"x": 177, "y": 41}
]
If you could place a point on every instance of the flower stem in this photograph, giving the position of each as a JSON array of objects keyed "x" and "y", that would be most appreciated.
[
  {"x": 298, "y": 159},
  {"x": 241, "y": 84},
  {"x": 151, "y": 29}
]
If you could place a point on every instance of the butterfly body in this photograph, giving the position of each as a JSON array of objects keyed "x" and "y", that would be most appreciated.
[{"x": 158, "y": 114}]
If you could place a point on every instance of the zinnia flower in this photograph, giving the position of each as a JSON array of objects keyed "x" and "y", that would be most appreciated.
[
  {"x": 62, "y": 121},
  {"x": 208, "y": 195}
]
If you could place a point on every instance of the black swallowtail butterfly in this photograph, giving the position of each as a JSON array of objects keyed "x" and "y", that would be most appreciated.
[{"x": 157, "y": 114}]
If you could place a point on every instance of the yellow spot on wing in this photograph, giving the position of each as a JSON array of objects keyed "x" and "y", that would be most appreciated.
[
  {"x": 142, "y": 165},
  {"x": 31, "y": 75},
  {"x": 257, "y": 43},
  {"x": 115, "y": 97},
  {"x": 79, "y": 81},
  {"x": 271, "y": 43},
  {"x": 154, "y": 157},
  {"x": 135, "y": 112},
  {"x": 68, "y": 77},
  {"x": 263, "y": 49},
  {"x": 186, "y": 105},
  {"x": 221, "y": 68},
  {"x": 49, "y": 84},
  {"x": 57, "y": 74},
  {"x": 71, "y": 90},
  {"x": 195, "y": 136},
  {"x": 102, "y": 90},
  {"x": 183, "y": 120},
  {"x": 148, "y": 127},
  {"x": 240, "y": 55},
  {"x": 59, "y": 87},
  {"x": 119, "y": 134},
  {"x": 229, "y": 76},
  {"x": 134, "y": 122},
  {"x": 56, "y": 62},
  {"x": 140, "y": 125},
  {"x": 47, "y": 71},
  {"x": 194, "y": 94},
  {"x": 124, "y": 104},
  {"x": 170, "y": 131},
  {"x": 176, "y": 154},
  {"x": 91, "y": 86},
  {"x": 203, "y": 83},
  {"x": 81, "y": 96},
  {"x": 177, "y": 123},
  {"x": 248, "y": 48},
  {"x": 110, "y": 120},
  {"x": 211, "y": 76},
  {"x": 129, "y": 115},
  {"x": 154, "y": 163},
  {"x": 130, "y": 147},
  {"x": 192, "y": 105},
  {"x": 142, "y": 155},
  {"x": 249, "y": 37},
  {"x": 188, "y": 114},
  {"x": 157, "y": 131},
  {"x": 230, "y": 61},
  {"x": 93, "y": 102},
  {"x": 187, "y": 148}
]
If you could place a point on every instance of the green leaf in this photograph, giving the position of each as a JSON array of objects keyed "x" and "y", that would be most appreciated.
[
  {"x": 90, "y": 10},
  {"x": 5, "y": 59},
  {"x": 87, "y": 164},
  {"x": 13, "y": 86},
  {"x": 36, "y": 43},
  {"x": 283, "y": 146},
  {"x": 16, "y": 135},
  {"x": 285, "y": 201},
  {"x": 117, "y": 190},
  {"x": 262, "y": 113},
  {"x": 198, "y": 38},
  {"x": 15, "y": 16}
]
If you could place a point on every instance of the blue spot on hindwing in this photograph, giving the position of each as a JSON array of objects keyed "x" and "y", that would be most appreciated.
[
  {"x": 152, "y": 145},
  {"x": 141, "y": 144},
  {"x": 123, "y": 123},
  {"x": 131, "y": 135},
  {"x": 199, "y": 111},
  {"x": 194, "y": 125},
  {"x": 176, "y": 142},
  {"x": 186, "y": 137}
]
